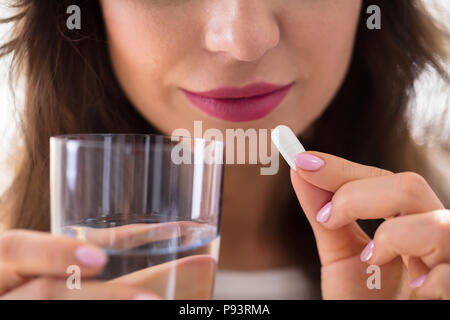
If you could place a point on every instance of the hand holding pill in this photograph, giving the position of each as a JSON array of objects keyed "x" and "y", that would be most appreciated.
[{"x": 334, "y": 193}]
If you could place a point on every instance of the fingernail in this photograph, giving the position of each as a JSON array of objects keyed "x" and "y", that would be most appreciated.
[
  {"x": 90, "y": 256},
  {"x": 145, "y": 296},
  {"x": 324, "y": 214},
  {"x": 367, "y": 253},
  {"x": 308, "y": 162},
  {"x": 418, "y": 282}
]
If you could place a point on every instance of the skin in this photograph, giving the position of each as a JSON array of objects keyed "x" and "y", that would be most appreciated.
[
  {"x": 409, "y": 207},
  {"x": 233, "y": 43},
  {"x": 200, "y": 45}
]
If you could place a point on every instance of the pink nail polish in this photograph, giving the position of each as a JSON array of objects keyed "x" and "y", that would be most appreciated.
[
  {"x": 324, "y": 214},
  {"x": 90, "y": 256},
  {"x": 418, "y": 282},
  {"x": 145, "y": 296},
  {"x": 308, "y": 162},
  {"x": 367, "y": 253}
]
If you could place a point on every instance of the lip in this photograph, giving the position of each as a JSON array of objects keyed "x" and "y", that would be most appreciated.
[{"x": 248, "y": 103}]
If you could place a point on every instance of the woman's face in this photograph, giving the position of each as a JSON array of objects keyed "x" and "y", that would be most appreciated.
[{"x": 161, "y": 47}]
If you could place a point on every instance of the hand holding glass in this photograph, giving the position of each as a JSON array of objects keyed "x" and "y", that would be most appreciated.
[{"x": 152, "y": 202}]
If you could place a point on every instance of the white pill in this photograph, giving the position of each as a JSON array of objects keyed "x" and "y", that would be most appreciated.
[{"x": 287, "y": 143}]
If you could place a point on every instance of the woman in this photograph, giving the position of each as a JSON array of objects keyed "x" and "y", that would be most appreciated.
[{"x": 126, "y": 70}]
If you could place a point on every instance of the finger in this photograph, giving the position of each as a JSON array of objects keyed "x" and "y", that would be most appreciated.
[
  {"x": 435, "y": 284},
  {"x": 335, "y": 244},
  {"x": 381, "y": 197},
  {"x": 415, "y": 266},
  {"x": 329, "y": 172},
  {"x": 46, "y": 288},
  {"x": 133, "y": 235},
  {"x": 28, "y": 253},
  {"x": 192, "y": 278},
  {"x": 315, "y": 199},
  {"x": 424, "y": 235}
]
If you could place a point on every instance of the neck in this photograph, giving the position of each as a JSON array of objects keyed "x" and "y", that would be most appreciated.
[{"x": 251, "y": 215}]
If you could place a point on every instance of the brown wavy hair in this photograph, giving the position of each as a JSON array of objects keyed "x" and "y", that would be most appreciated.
[{"x": 71, "y": 88}]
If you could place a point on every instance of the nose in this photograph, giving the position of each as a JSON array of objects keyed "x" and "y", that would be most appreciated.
[{"x": 242, "y": 29}]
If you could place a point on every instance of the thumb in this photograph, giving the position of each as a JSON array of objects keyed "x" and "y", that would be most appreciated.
[{"x": 332, "y": 245}]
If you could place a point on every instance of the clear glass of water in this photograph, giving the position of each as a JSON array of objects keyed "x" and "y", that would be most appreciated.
[{"x": 152, "y": 202}]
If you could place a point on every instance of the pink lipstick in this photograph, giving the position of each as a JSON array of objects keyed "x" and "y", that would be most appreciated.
[{"x": 236, "y": 104}]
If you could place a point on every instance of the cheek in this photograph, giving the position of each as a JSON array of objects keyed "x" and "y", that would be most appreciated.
[
  {"x": 143, "y": 49},
  {"x": 323, "y": 38},
  {"x": 331, "y": 44},
  {"x": 325, "y": 30}
]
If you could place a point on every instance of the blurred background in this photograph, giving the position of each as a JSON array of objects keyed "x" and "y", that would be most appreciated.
[{"x": 432, "y": 97}]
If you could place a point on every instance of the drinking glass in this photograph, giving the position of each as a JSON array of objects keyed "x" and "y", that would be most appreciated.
[{"x": 152, "y": 202}]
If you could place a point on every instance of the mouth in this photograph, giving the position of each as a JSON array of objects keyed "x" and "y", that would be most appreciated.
[{"x": 249, "y": 103}]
